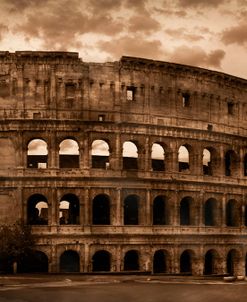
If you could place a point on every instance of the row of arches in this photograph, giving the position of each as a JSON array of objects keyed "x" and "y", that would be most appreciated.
[
  {"x": 161, "y": 208},
  {"x": 101, "y": 261},
  {"x": 69, "y": 157}
]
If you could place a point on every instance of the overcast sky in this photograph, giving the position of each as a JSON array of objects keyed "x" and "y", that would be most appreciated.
[{"x": 206, "y": 33}]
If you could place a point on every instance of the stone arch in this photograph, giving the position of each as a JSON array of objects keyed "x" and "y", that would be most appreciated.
[
  {"x": 232, "y": 262},
  {"x": 69, "y": 262},
  {"x": 210, "y": 161},
  {"x": 100, "y": 154},
  {"x": 37, "y": 210},
  {"x": 233, "y": 213},
  {"x": 160, "y": 210},
  {"x": 211, "y": 259},
  {"x": 158, "y": 157},
  {"x": 186, "y": 262},
  {"x": 101, "y": 210},
  {"x": 69, "y": 155},
  {"x": 33, "y": 262},
  {"x": 184, "y": 163},
  {"x": 186, "y": 211},
  {"x": 37, "y": 153},
  {"x": 160, "y": 261},
  {"x": 69, "y": 210},
  {"x": 131, "y": 210},
  {"x": 130, "y": 156},
  {"x": 131, "y": 261},
  {"x": 231, "y": 163},
  {"x": 210, "y": 212},
  {"x": 101, "y": 261}
]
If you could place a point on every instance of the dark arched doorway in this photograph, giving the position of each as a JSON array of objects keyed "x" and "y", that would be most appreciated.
[
  {"x": 131, "y": 261},
  {"x": 69, "y": 209},
  {"x": 231, "y": 262},
  {"x": 232, "y": 213},
  {"x": 209, "y": 212},
  {"x": 37, "y": 210},
  {"x": 101, "y": 261},
  {"x": 210, "y": 262},
  {"x": 131, "y": 215},
  {"x": 160, "y": 262},
  {"x": 101, "y": 210},
  {"x": 69, "y": 262},
  {"x": 186, "y": 262},
  {"x": 160, "y": 211},
  {"x": 33, "y": 262},
  {"x": 185, "y": 211}
]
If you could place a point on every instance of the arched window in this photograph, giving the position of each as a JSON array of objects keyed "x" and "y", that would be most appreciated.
[
  {"x": 186, "y": 262},
  {"x": 232, "y": 260},
  {"x": 101, "y": 210},
  {"x": 37, "y": 154},
  {"x": 69, "y": 210},
  {"x": 100, "y": 154},
  {"x": 160, "y": 262},
  {"x": 207, "y": 165},
  {"x": 131, "y": 261},
  {"x": 160, "y": 216},
  {"x": 232, "y": 213},
  {"x": 101, "y": 261},
  {"x": 210, "y": 212},
  {"x": 158, "y": 157},
  {"x": 69, "y": 262},
  {"x": 183, "y": 159},
  {"x": 210, "y": 262},
  {"x": 186, "y": 211},
  {"x": 231, "y": 163},
  {"x": 131, "y": 205},
  {"x": 130, "y": 156},
  {"x": 37, "y": 210},
  {"x": 69, "y": 154},
  {"x": 33, "y": 262}
]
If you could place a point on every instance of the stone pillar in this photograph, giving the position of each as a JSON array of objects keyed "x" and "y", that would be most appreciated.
[
  {"x": 223, "y": 219},
  {"x": 196, "y": 165},
  {"x": 148, "y": 208},
  {"x": 87, "y": 208},
  {"x": 147, "y": 156},
  {"x": 118, "y": 214},
  {"x": 53, "y": 208},
  {"x": 173, "y": 157},
  {"x": 86, "y": 156},
  {"x": 116, "y": 156},
  {"x": 201, "y": 221},
  {"x": 176, "y": 209},
  {"x": 53, "y": 152},
  {"x": 54, "y": 260},
  {"x": 118, "y": 258},
  {"x": 222, "y": 162},
  {"x": 175, "y": 264},
  {"x": 87, "y": 258}
]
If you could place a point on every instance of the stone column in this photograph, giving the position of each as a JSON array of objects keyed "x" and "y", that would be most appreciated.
[
  {"x": 148, "y": 208},
  {"x": 201, "y": 221},
  {"x": 87, "y": 208},
  {"x": 118, "y": 216},
  {"x": 147, "y": 156},
  {"x": 53, "y": 208},
  {"x": 223, "y": 219},
  {"x": 87, "y": 259},
  {"x": 176, "y": 209}
]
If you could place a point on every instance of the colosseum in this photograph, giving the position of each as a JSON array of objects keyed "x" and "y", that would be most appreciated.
[{"x": 128, "y": 166}]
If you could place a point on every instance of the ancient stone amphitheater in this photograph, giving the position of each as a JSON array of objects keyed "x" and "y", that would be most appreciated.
[{"x": 134, "y": 165}]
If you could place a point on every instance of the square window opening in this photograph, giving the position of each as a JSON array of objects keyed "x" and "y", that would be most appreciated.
[
  {"x": 186, "y": 100},
  {"x": 130, "y": 93}
]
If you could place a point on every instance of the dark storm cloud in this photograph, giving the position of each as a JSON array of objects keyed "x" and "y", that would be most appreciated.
[
  {"x": 201, "y": 3},
  {"x": 197, "y": 56},
  {"x": 61, "y": 24},
  {"x": 236, "y": 34},
  {"x": 132, "y": 46},
  {"x": 181, "y": 33},
  {"x": 143, "y": 23}
]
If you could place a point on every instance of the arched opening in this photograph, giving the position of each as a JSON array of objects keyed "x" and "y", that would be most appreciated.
[
  {"x": 100, "y": 154},
  {"x": 210, "y": 262},
  {"x": 160, "y": 211},
  {"x": 231, "y": 163},
  {"x": 33, "y": 262},
  {"x": 183, "y": 159},
  {"x": 245, "y": 165},
  {"x": 131, "y": 261},
  {"x": 101, "y": 261},
  {"x": 232, "y": 213},
  {"x": 210, "y": 212},
  {"x": 185, "y": 211},
  {"x": 101, "y": 210},
  {"x": 37, "y": 154},
  {"x": 37, "y": 210},
  {"x": 69, "y": 154},
  {"x": 160, "y": 262},
  {"x": 207, "y": 164},
  {"x": 130, "y": 156},
  {"x": 69, "y": 262},
  {"x": 231, "y": 262},
  {"x": 158, "y": 157},
  {"x": 69, "y": 210},
  {"x": 186, "y": 262},
  {"x": 131, "y": 211}
]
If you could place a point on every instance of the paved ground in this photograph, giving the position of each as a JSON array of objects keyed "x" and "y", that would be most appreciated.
[{"x": 80, "y": 288}]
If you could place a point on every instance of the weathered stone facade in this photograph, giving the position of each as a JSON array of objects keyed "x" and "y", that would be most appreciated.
[{"x": 183, "y": 213}]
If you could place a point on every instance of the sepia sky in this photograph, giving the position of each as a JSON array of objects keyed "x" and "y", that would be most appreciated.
[{"x": 205, "y": 33}]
